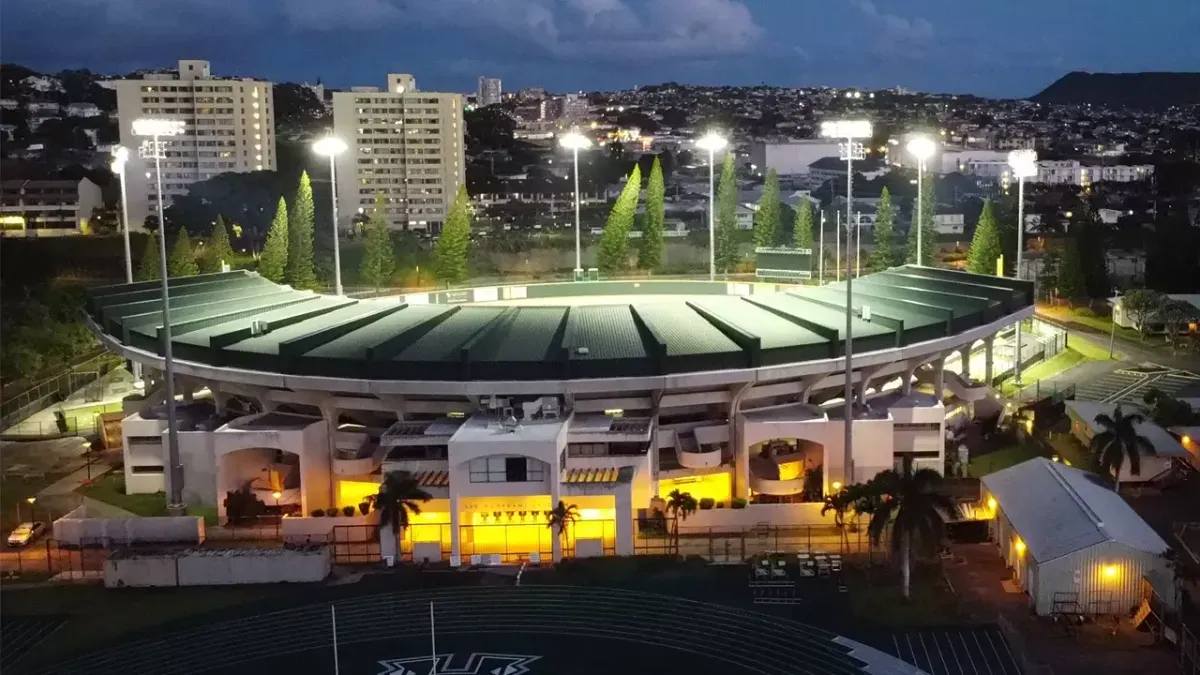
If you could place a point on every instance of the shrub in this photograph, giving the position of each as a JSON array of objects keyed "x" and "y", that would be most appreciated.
[
  {"x": 706, "y": 503},
  {"x": 1085, "y": 312},
  {"x": 364, "y": 507},
  {"x": 720, "y": 505},
  {"x": 317, "y": 513},
  {"x": 738, "y": 503},
  {"x": 331, "y": 512},
  {"x": 348, "y": 511}
]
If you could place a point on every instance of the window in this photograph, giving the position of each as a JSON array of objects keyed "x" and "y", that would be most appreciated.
[
  {"x": 146, "y": 469},
  {"x": 507, "y": 470}
]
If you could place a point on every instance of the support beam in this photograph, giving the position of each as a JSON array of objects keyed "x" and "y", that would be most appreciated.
[
  {"x": 864, "y": 381},
  {"x": 939, "y": 378},
  {"x": 455, "y": 510},
  {"x": 965, "y": 360},
  {"x": 741, "y": 455},
  {"x": 988, "y": 372}
]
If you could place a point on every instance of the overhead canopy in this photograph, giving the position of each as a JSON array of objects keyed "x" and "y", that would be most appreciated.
[{"x": 1058, "y": 510}]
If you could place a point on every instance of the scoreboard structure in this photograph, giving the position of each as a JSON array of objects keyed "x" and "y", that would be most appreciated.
[{"x": 783, "y": 263}]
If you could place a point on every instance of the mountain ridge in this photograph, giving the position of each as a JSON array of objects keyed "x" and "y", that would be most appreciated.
[{"x": 1151, "y": 90}]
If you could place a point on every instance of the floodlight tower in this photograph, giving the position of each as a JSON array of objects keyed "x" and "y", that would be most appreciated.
[{"x": 852, "y": 132}]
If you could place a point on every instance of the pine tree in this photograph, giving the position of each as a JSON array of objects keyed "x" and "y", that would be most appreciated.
[
  {"x": 217, "y": 251},
  {"x": 272, "y": 264},
  {"x": 182, "y": 261},
  {"x": 650, "y": 248},
  {"x": 725, "y": 252},
  {"x": 766, "y": 218},
  {"x": 613, "y": 255},
  {"x": 1071, "y": 282},
  {"x": 802, "y": 231},
  {"x": 928, "y": 231},
  {"x": 885, "y": 235},
  {"x": 379, "y": 256},
  {"x": 148, "y": 269},
  {"x": 300, "y": 272},
  {"x": 450, "y": 252},
  {"x": 985, "y": 245}
]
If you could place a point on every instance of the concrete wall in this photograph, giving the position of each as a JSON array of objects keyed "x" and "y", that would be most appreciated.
[
  {"x": 296, "y": 530},
  {"x": 219, "y": 567},
  {"x": 74, "y": 530},
  {"x": 755, "y": 514}
]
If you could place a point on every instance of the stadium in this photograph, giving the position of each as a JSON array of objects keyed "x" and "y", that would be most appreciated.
[{"x": 504, "y": 400}]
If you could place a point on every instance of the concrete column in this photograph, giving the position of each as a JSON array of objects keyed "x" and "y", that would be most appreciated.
[
  {"x": 741, "y": 454},
  {"x": 965, "y": 357},
  {"x": 988, "y": 373},
  {"x": 329, "y": 413},
  {"x": 865, "y": 375},
  {"x": 555, "y": 498},
  {"x": 220, "y": 398},
  {"x": 624, "y": 515},
  {"x": 939, "y": 377},
  {"x": 455, "y": 515}
]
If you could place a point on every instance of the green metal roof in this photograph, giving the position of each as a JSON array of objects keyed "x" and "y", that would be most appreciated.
[{"x": 238, "y": 319}]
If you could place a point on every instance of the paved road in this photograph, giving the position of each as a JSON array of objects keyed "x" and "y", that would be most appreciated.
[{"x": 1132, "y": 350}]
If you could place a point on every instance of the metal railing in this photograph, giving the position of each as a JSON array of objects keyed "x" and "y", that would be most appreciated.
[{"x": 86, "y": 424}]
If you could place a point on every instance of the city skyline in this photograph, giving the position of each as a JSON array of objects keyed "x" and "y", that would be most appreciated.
[{"x": 1013, "y": 50}]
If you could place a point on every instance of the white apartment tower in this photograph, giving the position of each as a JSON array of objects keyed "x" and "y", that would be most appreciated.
[
  {"x": 405, "y": 146},
  {"x": 490, "y": 91},
  {"x": 229, "y": 126}
]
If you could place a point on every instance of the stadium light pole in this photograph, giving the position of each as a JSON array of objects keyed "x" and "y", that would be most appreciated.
[
  {"x": 575, "y": 141},
  {"x": 155, "y": 149},
  {"x": 922, "y": 148},
  {"x": 851, "y": 132},
  {"x": 1024, "y": 165},
  {"x": 712, "y": 142},
  {"x": 331, "y": 147},
  {"x": 821, "y": 252},
  {"x": 120, "y": 157}
]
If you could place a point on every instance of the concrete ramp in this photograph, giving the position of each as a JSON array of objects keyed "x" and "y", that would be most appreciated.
[{"x": 962, "y": 388}]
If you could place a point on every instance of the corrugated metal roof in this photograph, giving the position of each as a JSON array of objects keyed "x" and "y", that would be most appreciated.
[
  {"x": 355, "y": 344},
  {"x": 774, "y": 330},
  {"x": 528, "y": 336},
  {"x": 684, "y": 331},
  {"x": 443, "y": 342},
  {"x": 608, "y": 332},
  {"x": 1057, "y": 510}
]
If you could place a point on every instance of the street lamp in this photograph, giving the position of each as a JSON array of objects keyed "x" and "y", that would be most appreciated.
[
  {"x": 278, "y": 514},
  {"x": 30, "y": 501},
  {"x": 575, "y": 141},
  {"x": 331, "y": 147},
  {"x": 1024, "y": 165},
  {"x": 156, "y": 149},
  {"x": 853, "y": 131},
  {"x": 712, "y": 142},
  {"x": 921, "y": 147},
  {"x": 87, "y": 454},
  {"x": 120, "y": 156}
]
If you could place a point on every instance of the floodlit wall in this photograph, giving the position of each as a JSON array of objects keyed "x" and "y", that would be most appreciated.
[
  {"x": 775, "y": 515},
  {"x": 76, "y": 529},
  {"x": 218, "y": 567},
  {"x": 295, "y": 530}
]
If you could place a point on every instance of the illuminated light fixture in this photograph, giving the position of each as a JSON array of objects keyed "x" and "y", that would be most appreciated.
[
  {"x": 846, "y": 129},
  {"x": 277, "y": 494},
  {"x": 575, "y": 141},
  {"x": 836, "y": 485},
  {"x": 331, "y": 147},
  {"x": 1020, "y": 546},
  {"x": 712, "y": 142},
  {"x": 1024, "y": 165},
  {"x": 921, "y": 147},
  {"x": 991, "y": 502},
  {"x": 1110, "y": 571},
  {"x": 1186, "y": 439}
]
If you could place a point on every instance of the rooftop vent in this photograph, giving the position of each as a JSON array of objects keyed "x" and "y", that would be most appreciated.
[
  {"x": 258, "y": 327},
  {"x": 581, "y": 351}
]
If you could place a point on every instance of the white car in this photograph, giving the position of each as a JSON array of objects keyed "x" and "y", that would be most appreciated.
[{"x": 26, "y": 533}]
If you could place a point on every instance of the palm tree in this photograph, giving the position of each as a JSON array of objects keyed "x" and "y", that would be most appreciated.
[
  {"x": 560, "y": 518},
  {"x": 399, "y": 494},
  {"x": 911, "y": 503},
  {"x": 1118, "y": 441},
  {"x": 680, "y": 505}
]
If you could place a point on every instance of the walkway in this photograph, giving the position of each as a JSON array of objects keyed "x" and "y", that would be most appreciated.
[{"x": 79, "y": 408}]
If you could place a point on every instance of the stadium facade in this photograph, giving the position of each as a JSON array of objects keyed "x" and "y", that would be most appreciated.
[{"x": 502, "y": 403}]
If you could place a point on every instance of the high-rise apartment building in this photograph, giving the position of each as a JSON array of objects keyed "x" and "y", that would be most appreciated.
[
  {"x": 490, "y": 91},
  {"x": 405, "y": 146},
  {"x": 229, "y": 125}
]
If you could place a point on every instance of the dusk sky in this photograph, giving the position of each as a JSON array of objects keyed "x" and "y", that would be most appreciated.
[{"x": 1009, "y": 48}]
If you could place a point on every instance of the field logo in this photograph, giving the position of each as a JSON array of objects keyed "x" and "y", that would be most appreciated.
[{"x": 475, "y": 664}]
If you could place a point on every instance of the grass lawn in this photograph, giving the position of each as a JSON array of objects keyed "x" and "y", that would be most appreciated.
[
  {"x": 1043, "y": 369},
  {"x": 879, "y": 597},
  {"x": 14, "y": 491},
  {"x": 1092, "y": 350},
  {"x": 1002, "y": 458},
  {"x": 99, "y": 615},
  {"x": 110, "y": 488}
]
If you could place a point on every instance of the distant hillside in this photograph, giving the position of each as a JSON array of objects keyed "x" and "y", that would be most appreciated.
[{"x": 1131, "y": 90}]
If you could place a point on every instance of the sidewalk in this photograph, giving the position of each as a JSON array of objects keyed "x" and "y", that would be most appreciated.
[{"x": 63, "y": 492}]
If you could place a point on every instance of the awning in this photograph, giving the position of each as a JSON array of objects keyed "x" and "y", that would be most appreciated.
[
  {"x": 597, "y": 476},
  {"x": 432, "y": 479}
]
